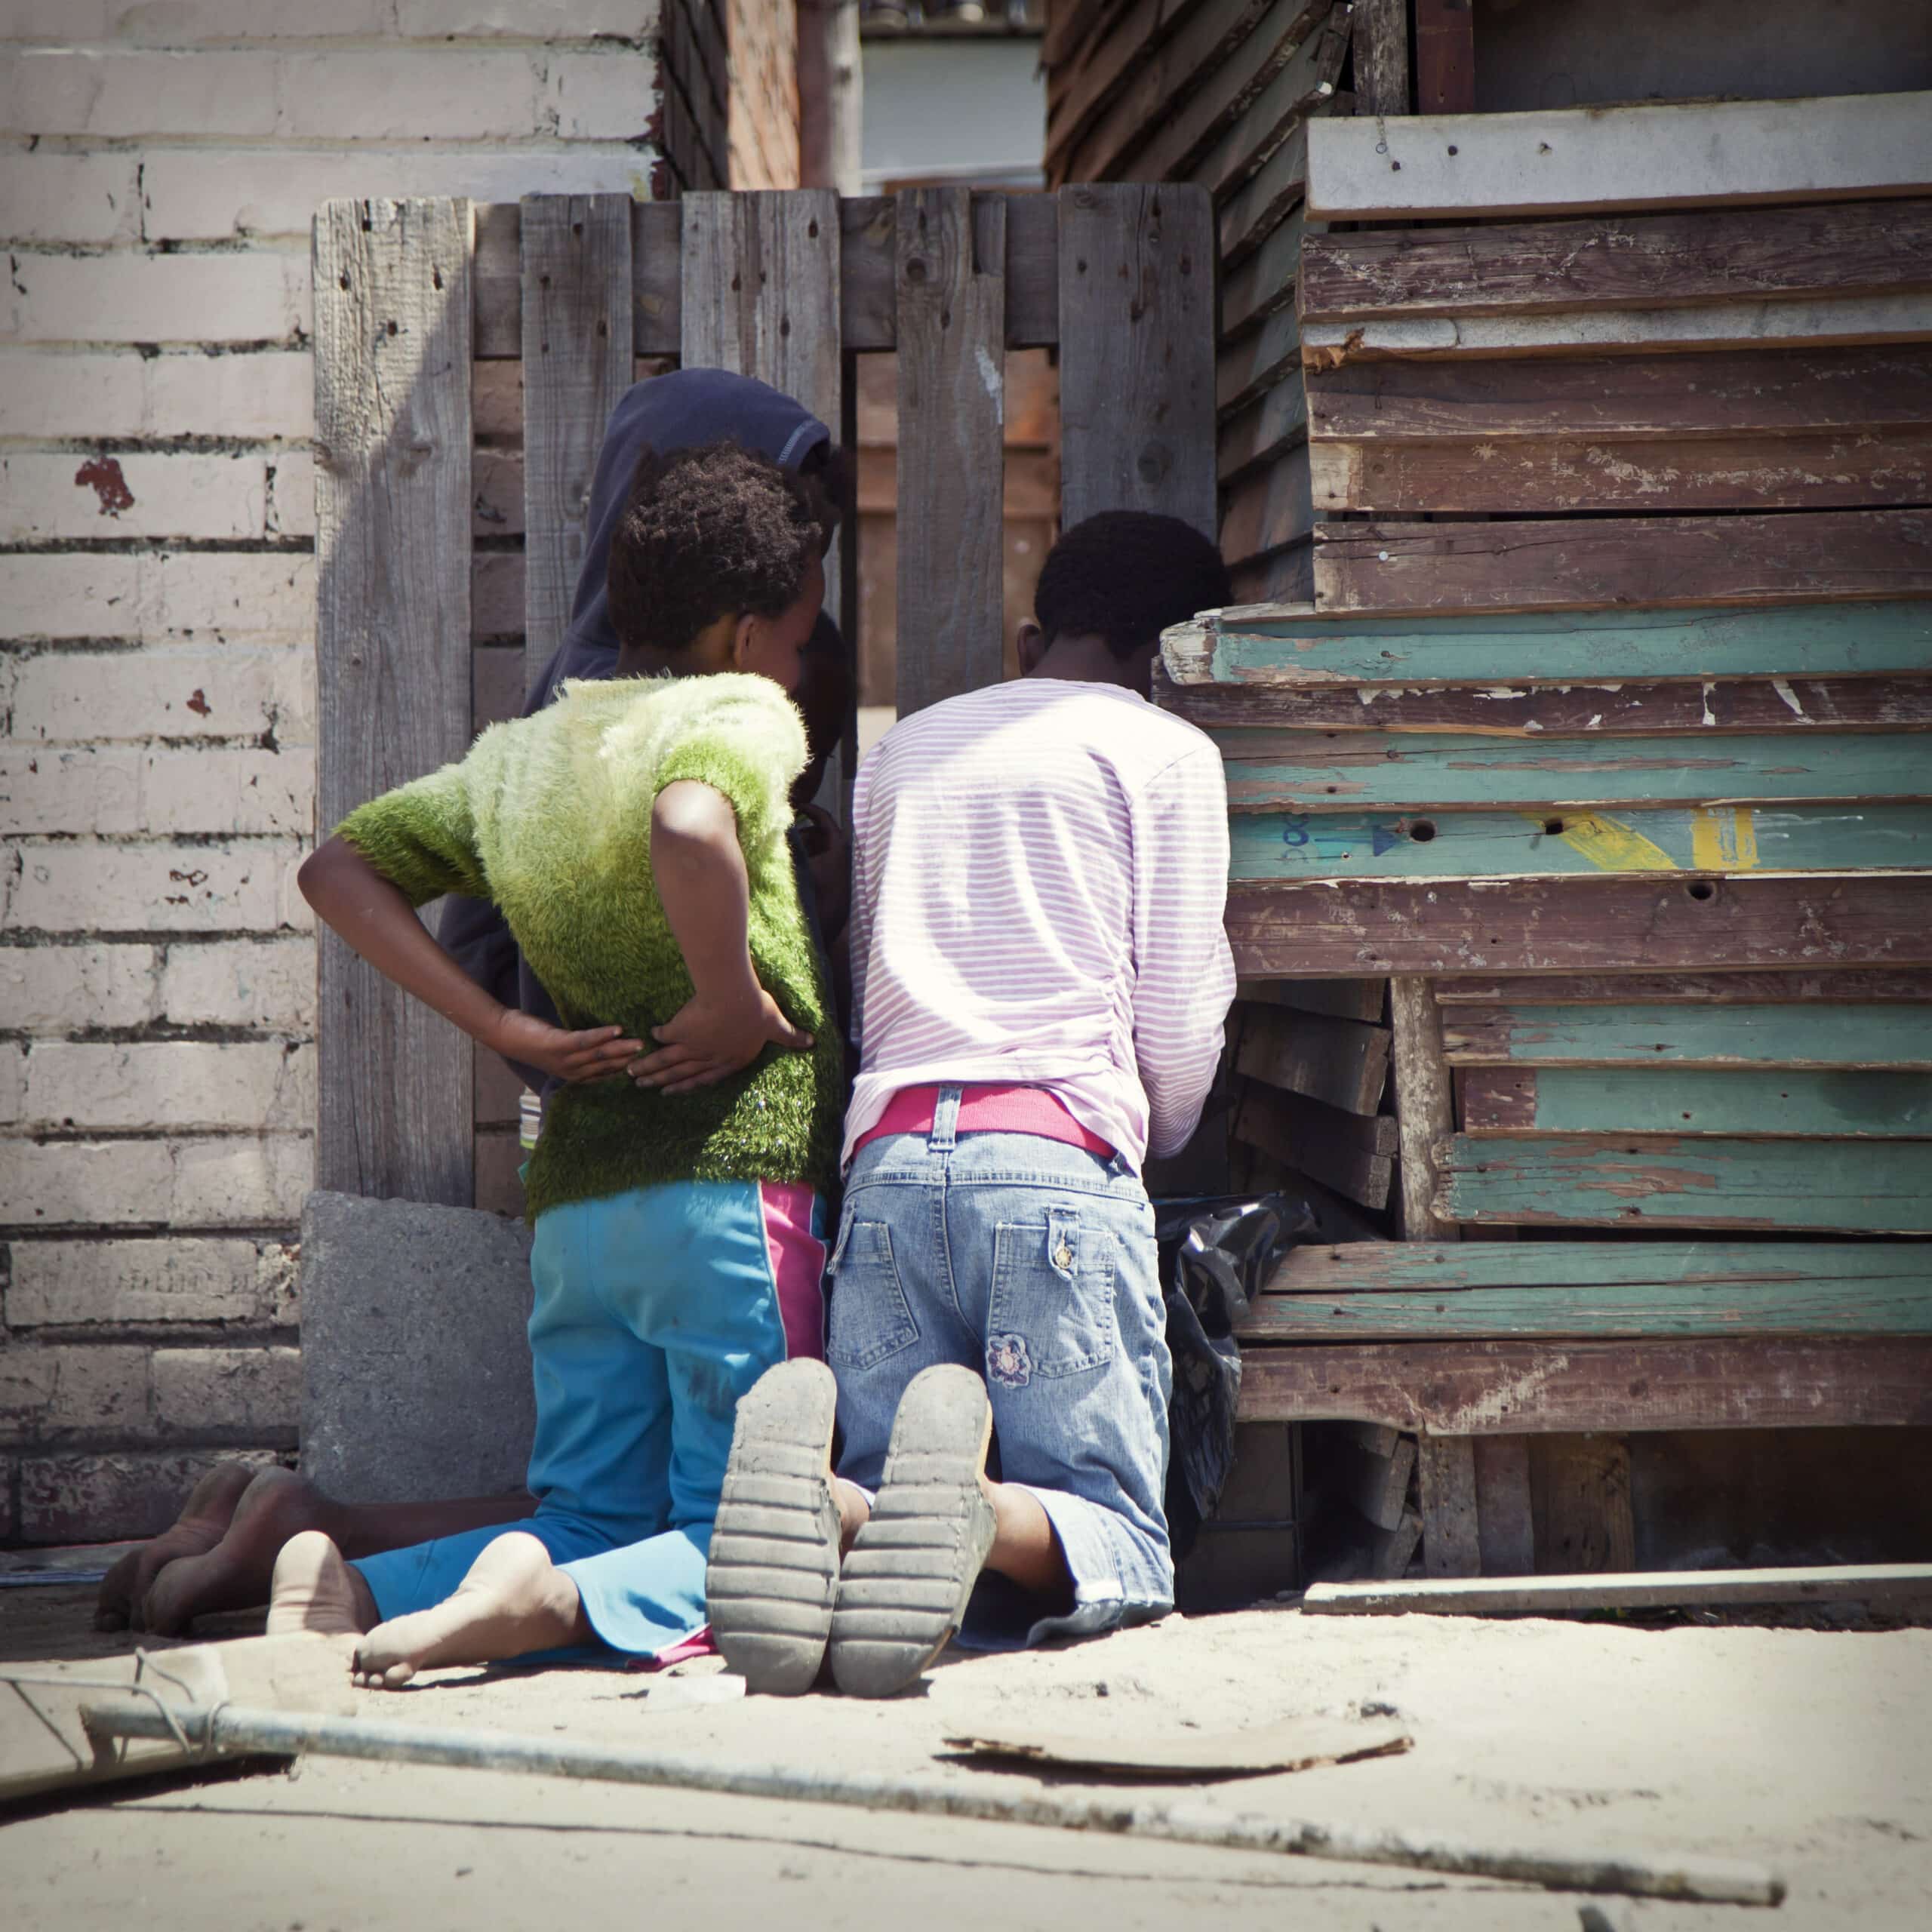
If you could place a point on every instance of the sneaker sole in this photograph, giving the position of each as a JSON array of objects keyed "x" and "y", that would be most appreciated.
[
  {"x": 909, "y": 1574},
  {"x": 772, "y": 1574}
]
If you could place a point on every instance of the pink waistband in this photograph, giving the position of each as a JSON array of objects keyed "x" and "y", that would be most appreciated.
[{"x": 988, "y": 1110}]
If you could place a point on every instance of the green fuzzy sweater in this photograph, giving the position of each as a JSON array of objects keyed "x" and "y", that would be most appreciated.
[{"x": 549, "y": 817}]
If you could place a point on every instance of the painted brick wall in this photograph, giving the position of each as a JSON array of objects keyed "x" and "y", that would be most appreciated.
[{"x": 159, "y": 164}]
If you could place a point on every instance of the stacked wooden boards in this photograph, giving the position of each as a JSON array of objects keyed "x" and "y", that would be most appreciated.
[{"x": 1221, "y": 93}]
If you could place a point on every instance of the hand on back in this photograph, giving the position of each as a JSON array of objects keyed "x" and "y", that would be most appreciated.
[
  {"x": 710, "y": 1038},
  {"x": 597, "y": 1053}
]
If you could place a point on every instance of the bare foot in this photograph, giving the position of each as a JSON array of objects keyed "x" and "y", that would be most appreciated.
[
  {"x": 202, "y": 1523},
  {"x": 514, "y": 1599},
  {"x": 234, "y": 1573},
  {"x": 314, "y": 1589}
]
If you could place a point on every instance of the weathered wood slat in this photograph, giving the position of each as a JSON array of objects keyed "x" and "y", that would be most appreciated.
[
  {"x": 1735, "y": 1268},
  {"x": 1579, "y": 1495},
  {"x": 1824, "y": 469},
  {"x": 1476, "y": 845},
  {"x": 1893, "y": 1306},
  {"x": 1269, "y": 770},
  {"x": 1593, "y": 561},
  {"x": 1618, "y": 159},
  {"x": 1686, "y": 988},
  {"x": 1116, "y": 53},
  {"x": 1532, "y": 1030},
  {"x": 1585, "y": 647},
  {"x": 951, "y": 405},
  {"x": 1265, "y": 431},
  {"x": 1247, "y": 370},
  {"x": 1791, "y": 707},
  {"x": 1725, "y": 395},
  {"x": 1757, "y": 1102},
  {"x": 393, "y": 354},
  {"x": 1503, "y": 1388},
  {"x": 1264, "y": 284},
  {"x": 1269, "y": 508},
  {"x": 1506, "y": 1518},
  {"x": 1572, "y": 925},
  {"x": 1137, "y": 309},
  {"x": 1382, "y": 57},
  {"x": 576, "y": 363},
  {"x": 1348, "y": 999},
  {"x": 1446, "y": 1483},
  {"x": 1424, "y": 1104},
  {"x": 1445, "y": 57},
  {"x": 1289, "y": 573},
  {"x": 1877, "y": 1583},
  {"x": 1378, "y": 1486},
  {"x": 1260, "y": 206},
  {"x": 1349, "y": 1153},
  {"x": 1336, "y": 1062},
  {"x": 1621, "y": 261},
  {"x": 1877, "y": 1187}
]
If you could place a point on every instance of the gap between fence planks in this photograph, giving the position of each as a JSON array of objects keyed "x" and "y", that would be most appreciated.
[
  {"x": 393, "y": 367},
  {"x": 1884, "y": 1585}
]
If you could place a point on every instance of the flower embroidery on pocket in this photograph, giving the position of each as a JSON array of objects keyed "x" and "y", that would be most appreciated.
[{"x": 1008, "y": 1361}]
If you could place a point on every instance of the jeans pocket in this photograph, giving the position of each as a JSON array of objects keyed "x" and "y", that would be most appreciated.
[
  {"x": 869, "y": 1319},
  {"x": 1051, "y": 1312}
]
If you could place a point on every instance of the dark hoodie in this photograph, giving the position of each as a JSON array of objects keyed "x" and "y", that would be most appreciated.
[{"x": 669, "y": 412}]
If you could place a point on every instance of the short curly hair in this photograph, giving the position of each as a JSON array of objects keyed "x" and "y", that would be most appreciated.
[
  {"x": 714, "y": 530},
  {"x": 1126, "y": 575}
]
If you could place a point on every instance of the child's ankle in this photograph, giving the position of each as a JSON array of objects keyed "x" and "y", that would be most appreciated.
[{"x": 854, "y": 1512}]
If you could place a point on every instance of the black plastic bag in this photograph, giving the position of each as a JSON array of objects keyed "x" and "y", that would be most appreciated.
[{"x": 1217, "y": 1254}]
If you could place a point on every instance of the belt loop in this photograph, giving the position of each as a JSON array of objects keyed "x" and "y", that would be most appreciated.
[{"x": 946, "y": 1121}]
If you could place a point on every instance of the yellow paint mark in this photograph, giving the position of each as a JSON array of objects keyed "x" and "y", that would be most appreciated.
[
  {"x": 1723, "y": 839},
  {"x": 1610, "y": 845}
]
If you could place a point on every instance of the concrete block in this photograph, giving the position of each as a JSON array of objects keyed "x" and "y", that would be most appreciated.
[
  {"x": 62, "y": 989},
  {"x": 87, "y": 697},
  {"x": 117, "y": 393},
  {"x": 152, "y": 597},
  {"x": 69, "y": 197},
  {"x": 74, "y": 1283},
  {"x": 198, "y": 22},
  {"x": 527, "y": 19},
  {"x": 235, "y": 983},
  {"x": 92, "y": 1498},
  {"x": 113, "y": 788},
  {"x": 50, "y": 494},
  {"x": 69, "y": 1389},
  {"x": 262, "y": 295},
  {"x": 229, "y": 1181},
  {"x": 253, "y": 1393},
  {"x": 267, "y": 1085},
  {"x": 416, "y": 1378},
  {"x": 154, "y": 885}
]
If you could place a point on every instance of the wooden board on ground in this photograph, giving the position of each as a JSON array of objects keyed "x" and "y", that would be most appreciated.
[
  {"x": 1378, "y": 1486},
  {"x": 1506, "y": 1387},
  {"x": 1761, "y": 1102},
  {"x": 1552, "y": 564},
  {"x": 1538, "y": 1030},
  {"x": 1338, "y": 1062},
  {"x": 393, "y": 621},
  {"x": 1648, "y": 921},
  {"x": 1436, "y": 165},
  {"x": 1294, "y": 1744},
  {"x": 1880, "y": 1584},
  {"x": 1853, "y": 1187}
]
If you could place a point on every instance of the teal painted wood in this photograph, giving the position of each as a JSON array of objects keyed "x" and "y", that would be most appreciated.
[
  {"x": 1810, "y": 1035},
  {"x": 1334, "y": 771},
  {"x": 1881, "y": 1187},
  {"x": 1890, "y": 1307},
  {"x": 1675, "y": 1100},
  {"x": 1372, "y": 1267},
  {"x": 1588, "y": 647},
  {"x": 1811, "y": 838}
]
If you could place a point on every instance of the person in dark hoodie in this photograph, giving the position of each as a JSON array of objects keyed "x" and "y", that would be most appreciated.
[{"x": 219, "y": 1553}]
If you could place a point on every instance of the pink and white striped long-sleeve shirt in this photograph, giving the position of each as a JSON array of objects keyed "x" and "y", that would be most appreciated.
[{"x": 1039, "y": 877}]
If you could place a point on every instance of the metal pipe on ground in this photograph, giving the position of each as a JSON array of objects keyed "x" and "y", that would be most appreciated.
[{"x": 232, "y": 1729}]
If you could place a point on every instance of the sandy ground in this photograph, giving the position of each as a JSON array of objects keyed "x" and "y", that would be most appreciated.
[{"x": 1808, "y": 1749}]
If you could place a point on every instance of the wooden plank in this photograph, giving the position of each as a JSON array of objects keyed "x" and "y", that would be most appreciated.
[
  {"x": 1557, "y": 564},
  {"x": 1348, "y": 999},
  {"x": 1785, "y": 391},
  {"x": 1897, "y": 1306},
  {"x": 1391, "y": 1551},
  {"x": 1265, "y": 432},
  {"x": 1534, "y": 1029},
  {"x": 951, "y": 364},
  {"x": 1756, "y": 1102},
  {"x": 1592, "y": 648},
  {"x": 1446, "y": 1477},
  {"x": 1346, "y": 1152},
  {"x": 1136, "y": 309},
  {"x": 1271, "y": 770},
  {"x": 1621, "y": 261},
  {"x": 1247, "y": 370},
  {"x": 1382, "y": 57},
  {"x": 1254, "y": 212},
  {"x": 1727, "y": 839},
  {"x": 393, "y": 353},
  {"x": 1264, "y": 284},
  {"x": 1878, "y": 1584},
  {"x": 1683, "y": 989},
  {"x": 1268, "y": 509},
  {"x": 1736, "y": 1268},
  {"x": 1289, "y": 573},
  {"x": 1445, "y": 57},
  {"x": 1787, "y": 707},
  {"x": 1877, "y": 1187},
  {"x": 1823, "y": 469},
  {"x": 1109, "y": 55},
  {"x": 1378, "y": 1486},
  {"x": 576, "y": 364},
  {"x": 1513, "y": 1388},
  {"x": 1505, "y": 1522},
  {"x": 1334, "y": 1061},
  {"x": 1424, "y": 1103},
  {"x": 1571, "y": 925},
  {"x": 1562, "y": 160}
]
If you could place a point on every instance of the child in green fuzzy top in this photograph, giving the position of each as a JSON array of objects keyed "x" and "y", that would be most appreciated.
[{"x": 633, "y": 835}]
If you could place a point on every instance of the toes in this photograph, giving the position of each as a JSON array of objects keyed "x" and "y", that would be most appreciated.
[
  {"x": 116, "y": 1593},
  {"x": 397, "y": 1674}
]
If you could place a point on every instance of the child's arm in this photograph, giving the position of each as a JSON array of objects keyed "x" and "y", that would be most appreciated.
[
  {"x": 375, "y": 917},
  {"x": 700, "y": 872}
]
